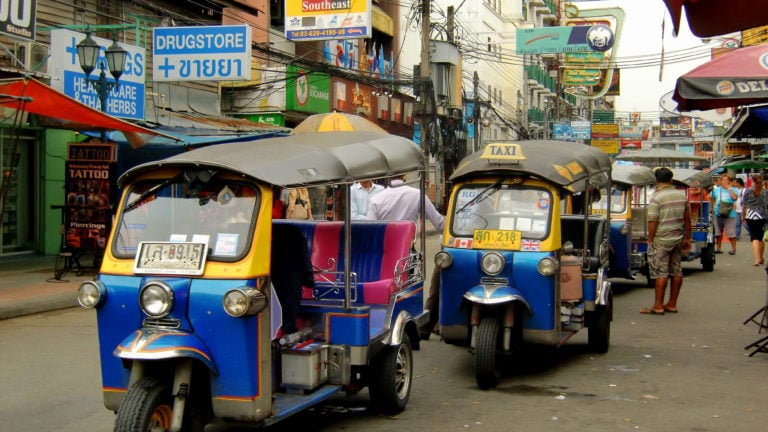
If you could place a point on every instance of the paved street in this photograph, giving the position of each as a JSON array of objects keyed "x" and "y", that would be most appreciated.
[{"x": 687, "y": 371}]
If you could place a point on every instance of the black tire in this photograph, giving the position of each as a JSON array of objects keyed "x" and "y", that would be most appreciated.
[
  {"x": 391, "y": 378},
  {"x": 599, "y": 330},
  {"x": 487, "y": 354},
  {"x": 708, "y": 258},
  {"x": 147, "y": 406}
]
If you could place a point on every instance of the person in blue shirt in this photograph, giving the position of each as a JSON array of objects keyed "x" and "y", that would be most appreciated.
[
  {"x": 725, "y": 224},
  {"x": 362, "y": 191}
]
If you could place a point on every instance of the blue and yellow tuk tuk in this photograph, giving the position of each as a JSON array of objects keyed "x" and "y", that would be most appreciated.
[
  {"x": 514, "y": 269},
  {"x": 209, "y": 311}
]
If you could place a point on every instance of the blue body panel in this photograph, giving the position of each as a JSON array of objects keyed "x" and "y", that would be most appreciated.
[
  {"x": 589, "y": 289},
  {"x": 620, "y": 264},
  {"x": 522, "y": 275}
]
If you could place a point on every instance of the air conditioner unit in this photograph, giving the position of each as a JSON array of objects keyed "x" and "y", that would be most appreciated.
[{"x": 31, "y": 57}]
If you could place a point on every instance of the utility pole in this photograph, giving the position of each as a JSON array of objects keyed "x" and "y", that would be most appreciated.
[
  {"x": 476, "y": 143},
  {"x": 424, "y": 74}
]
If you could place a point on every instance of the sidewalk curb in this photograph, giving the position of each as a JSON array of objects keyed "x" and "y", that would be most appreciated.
[{"x": 31, "y": 306}]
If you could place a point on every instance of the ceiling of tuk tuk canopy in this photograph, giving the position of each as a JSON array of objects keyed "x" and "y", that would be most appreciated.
[
  {"x": 303, "y": 159},
  {"x": 632, "y": 174},
  {"x": 567, "y": 164}
]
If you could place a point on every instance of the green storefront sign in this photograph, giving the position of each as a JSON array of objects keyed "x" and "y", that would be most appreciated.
[
  {"x": 274, "y": 119},
  {"x": 307, "y": 91}
]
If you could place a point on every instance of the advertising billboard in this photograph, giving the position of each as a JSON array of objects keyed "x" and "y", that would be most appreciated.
[{"x": 327, "y": 19}]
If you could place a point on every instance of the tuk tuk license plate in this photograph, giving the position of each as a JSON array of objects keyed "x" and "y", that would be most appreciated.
[
  {"x": 176, "y": 258},
  {"x": 497, "y": 239}
]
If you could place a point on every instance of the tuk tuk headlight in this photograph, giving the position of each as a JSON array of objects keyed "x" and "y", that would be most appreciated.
[
  {"x": 443, "y": 259},
  {"x": 547, "y": 266},
  {"x": 624, "y": 230},
  {"x": 492, "y": 263},
  {"x": 244, "y": 301},
  {"x": 91, "y": 294},
  {"x": 156, "y": 299}
]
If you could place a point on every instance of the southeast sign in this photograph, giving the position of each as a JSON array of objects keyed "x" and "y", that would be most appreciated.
[
  {"x": 327, "y": 19},
  {"x": 125, "y": 101},
  {"x": 203, "y": 53}
]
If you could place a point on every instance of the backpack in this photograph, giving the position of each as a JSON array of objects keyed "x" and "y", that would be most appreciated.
[{"x": 298, "y": 204}]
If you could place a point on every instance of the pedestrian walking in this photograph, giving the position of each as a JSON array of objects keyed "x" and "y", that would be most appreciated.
[
  {"x": 737, "y": 206},
  {"x": 755, "y": 203},
  {"x": 669, "y": 235},
  {"x": 723, "y": 198},
  {"x": 362, "y": 192}
]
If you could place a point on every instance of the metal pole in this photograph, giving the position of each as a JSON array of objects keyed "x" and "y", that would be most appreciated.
[
  {"x": 425, "y": 74},
  {"x": 477, "y": 143}
]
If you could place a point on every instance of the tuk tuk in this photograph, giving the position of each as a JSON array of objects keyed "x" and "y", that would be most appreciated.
[
  {"x": 211, "y": 312},
  {"x": 697, "y": 184},
  {"x": 629, "y": 224},
  {"x": 515, "y": 270}
]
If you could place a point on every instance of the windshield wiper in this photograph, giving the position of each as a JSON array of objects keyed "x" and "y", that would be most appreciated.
[
  {"x": 482, "y": 195},
  {"x": 151, "y": 192}
]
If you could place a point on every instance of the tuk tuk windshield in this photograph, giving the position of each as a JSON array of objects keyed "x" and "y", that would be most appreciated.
[
  {"x": 619, "y": 198},
  {"x": 502, "y": 207},
  {"x": 220, "y": 213}
]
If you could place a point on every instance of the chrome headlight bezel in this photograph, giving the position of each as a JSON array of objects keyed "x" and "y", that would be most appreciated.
[
  {"x": 443, "y": 259},
  {"x": 156, "y": 299},
  {"x": 548, "y": 266},
  {"x": 91, "y": 294},
  {"x": 244, "y": 301},
  {"x": 625, "y": 229},
  {"x": 492, "y": 263}
]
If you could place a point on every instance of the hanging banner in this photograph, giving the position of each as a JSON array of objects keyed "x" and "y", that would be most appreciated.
[{"x": 89, "y": 183}]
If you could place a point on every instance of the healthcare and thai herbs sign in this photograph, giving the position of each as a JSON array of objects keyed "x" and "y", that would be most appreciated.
[
  {"x": 125, "y": 101},
  {"x": 203, "y": 53},
  {"x": 327, "y": 19}
]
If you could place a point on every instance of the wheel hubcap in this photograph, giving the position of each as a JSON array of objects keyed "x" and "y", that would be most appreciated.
[
  {"x": 402, "y": 371},
  {"x": 160, "y": 420}
]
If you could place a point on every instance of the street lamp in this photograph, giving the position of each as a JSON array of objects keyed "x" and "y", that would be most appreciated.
[{"x": 88, "y": 52}]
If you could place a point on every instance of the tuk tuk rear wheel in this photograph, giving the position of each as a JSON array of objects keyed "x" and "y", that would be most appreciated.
[
  {"x": 599, "y": 330},
  {"x": 487, "y": 357},
  {"x": 391, "y": 377},
  {"x": 708, "y": 258},
  {"x": 148, "y": 406}
]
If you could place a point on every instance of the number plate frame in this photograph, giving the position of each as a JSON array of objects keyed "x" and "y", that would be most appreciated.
[
  {"x": 497, "y": 239},
  {"x": 151, "y": 260}
]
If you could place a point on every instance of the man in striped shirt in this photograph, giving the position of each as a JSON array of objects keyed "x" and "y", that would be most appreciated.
[{"x": 669, "y": 236}]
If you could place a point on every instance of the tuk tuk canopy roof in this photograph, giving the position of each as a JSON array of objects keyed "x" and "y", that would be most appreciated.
[
  {"x": 635, "y": 175},
  {"x": 692, "y": 178},
  {"x": 564, "y": 163},
  {"x": 302, "y": 159}
]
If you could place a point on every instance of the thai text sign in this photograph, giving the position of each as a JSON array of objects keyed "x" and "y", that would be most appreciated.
[
  {"x": 18, "y": 17},
  {"x": 205, "y": 53},
  {"x": 327, "y": 19},
  {"x": 125, "y": 101}
]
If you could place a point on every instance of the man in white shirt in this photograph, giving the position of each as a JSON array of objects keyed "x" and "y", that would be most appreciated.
[
  {"x": 401, "y": 202},
  {"x": 361, "y": 194}
]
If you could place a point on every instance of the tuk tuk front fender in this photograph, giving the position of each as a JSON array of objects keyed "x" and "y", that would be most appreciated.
[
  {"x": 493, "y": 295},
  {"x": 154, "y": 344}
]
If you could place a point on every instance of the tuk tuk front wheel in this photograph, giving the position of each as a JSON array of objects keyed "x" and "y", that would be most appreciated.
[
  {"x": 487, "y": 354},
  {"x": 148, "y": 406},
  {"x": 391, "y": 377}
]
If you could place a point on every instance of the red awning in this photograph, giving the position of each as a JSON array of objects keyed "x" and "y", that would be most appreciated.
[
  {"x": 708, "y": 18},
  {"x": 62, "y": 112}
]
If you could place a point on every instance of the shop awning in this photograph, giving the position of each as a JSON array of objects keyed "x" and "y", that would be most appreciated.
[
  {"x": 751, "y": 122},
  {"x": 60, "y": 111}
]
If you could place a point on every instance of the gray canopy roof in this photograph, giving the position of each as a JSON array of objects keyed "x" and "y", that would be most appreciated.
[
  {"x": 692, "y": 178},
  {"x": 635, "y": 175},
  {"x": 303, "y": 159},
  {"x": 567, "y": 164}
]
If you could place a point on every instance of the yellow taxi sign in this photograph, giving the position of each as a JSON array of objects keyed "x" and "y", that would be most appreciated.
[{"x": 503, "y": 151}]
